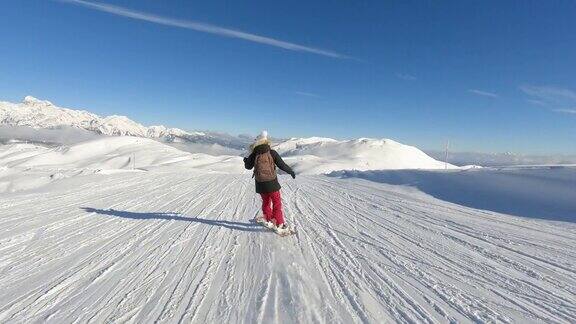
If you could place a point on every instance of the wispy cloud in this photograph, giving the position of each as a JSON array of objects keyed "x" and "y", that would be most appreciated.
[
  {"x": 483, "y": 93},
  {"x": 565, "y": 111},
  {"x": 202, "y": 27},
  {"x": 550, "y": 95},
  {"x": 554, "y": 98},
  {"x": 306, "y": 94},
  {"x": 407, "y": 77},
  {"x": 537, "y": 102}
]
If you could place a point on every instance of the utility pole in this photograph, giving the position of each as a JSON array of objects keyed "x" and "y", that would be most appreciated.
[{"x": 446, "y": 155}]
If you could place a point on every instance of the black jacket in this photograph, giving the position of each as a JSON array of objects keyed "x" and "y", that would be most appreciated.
[{"x": 268, "y": 186}]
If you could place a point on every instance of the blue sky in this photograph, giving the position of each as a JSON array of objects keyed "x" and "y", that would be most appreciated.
[{"x": 490, "y": 76}]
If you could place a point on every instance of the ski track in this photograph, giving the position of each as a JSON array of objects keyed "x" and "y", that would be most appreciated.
[{"x": 179, "y": 247}]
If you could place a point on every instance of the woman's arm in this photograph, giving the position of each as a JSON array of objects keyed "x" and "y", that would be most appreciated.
[
  {"x": 281, "y": 164},
  {"x": 249, "y": 161}
]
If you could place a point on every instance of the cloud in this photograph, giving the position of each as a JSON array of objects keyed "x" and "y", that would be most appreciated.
[
  {"x": 565, "y": 111},
  {"x": 307, "y": 94},
  {"x": 202, "y": 27},
  {"x": 550, "y": 96},
  {"x": 483, "y": 93},
  {"x": 407, "y": 77},
  {"x": 553, "y": 98},
  {"x": 537, "y": 102}
]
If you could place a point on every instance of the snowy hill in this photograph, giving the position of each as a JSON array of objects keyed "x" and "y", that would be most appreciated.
[
  {"x": 318, "y": 155},
  {"x": 125, "y": 153},
  {"x": 65, "y": 135},
  {"x": 29, "y": 166},
  {"x": 307, "y": 156},
  {"x": 113, "y": 153}
]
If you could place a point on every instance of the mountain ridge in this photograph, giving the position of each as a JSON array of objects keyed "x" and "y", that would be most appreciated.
[
  {"x": 36, "y": 113},
  {"x": 313, "y": 155}
]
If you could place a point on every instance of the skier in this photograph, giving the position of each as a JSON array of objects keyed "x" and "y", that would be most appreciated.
[{"x": 264, "y": 161}]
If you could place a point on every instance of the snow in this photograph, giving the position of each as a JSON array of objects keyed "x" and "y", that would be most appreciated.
[
  {"x": 177, "y": 246},
  {"x": 31, "y": 101},
  {"x": 324, "y": 155},
  {"x": 52, "y": 136},
  {"x": 129, "y": 229},
  {"x": 42, "y": 165},
  {"x": 43, "y": 114},
  {"x": 501, "y": 159},
  {"x": 162, "y": 131},
  {"x": 37, "y": 113},
  {"x": 314, "y": 155},
  {"x": 307, "y": 156},
  {"x": 547, "y": 192}
]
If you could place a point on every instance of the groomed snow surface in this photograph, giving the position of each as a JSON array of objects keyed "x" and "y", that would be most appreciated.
[{"x": 89, "y": 235}]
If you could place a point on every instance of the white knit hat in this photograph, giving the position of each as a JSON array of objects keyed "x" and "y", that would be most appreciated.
[
  {"x": 262, "y": 136},
  {"x": 260, "y": 139}
]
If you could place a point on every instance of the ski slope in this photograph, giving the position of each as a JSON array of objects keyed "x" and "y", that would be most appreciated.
[{"x": 177, "y": 246}]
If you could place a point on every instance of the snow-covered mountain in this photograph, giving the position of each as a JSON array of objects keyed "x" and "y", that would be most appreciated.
[
  {"x": 314, "y": 155},
  {"x": 37, "y": 114}
]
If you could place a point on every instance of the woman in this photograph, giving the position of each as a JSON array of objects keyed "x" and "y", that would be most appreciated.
[{"x": 264, "y": 160}]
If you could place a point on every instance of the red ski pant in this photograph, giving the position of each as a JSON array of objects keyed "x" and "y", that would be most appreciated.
[{"x": 273, "y": 212}]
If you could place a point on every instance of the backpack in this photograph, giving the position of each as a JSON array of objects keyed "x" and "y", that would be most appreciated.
[{"x": 264, "y": 167}]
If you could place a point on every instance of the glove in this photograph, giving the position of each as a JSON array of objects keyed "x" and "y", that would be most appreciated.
[{"x": 293, "y": 175}]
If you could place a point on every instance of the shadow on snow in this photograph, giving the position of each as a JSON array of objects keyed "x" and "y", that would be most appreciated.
[
  {"x": 239, "y": 226},
  {"x": 544, "y": 193}
]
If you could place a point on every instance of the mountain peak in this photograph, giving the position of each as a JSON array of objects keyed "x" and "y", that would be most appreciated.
[
  {"x": 36, "y": 113},
  {"x": 32, "y": 101}
]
